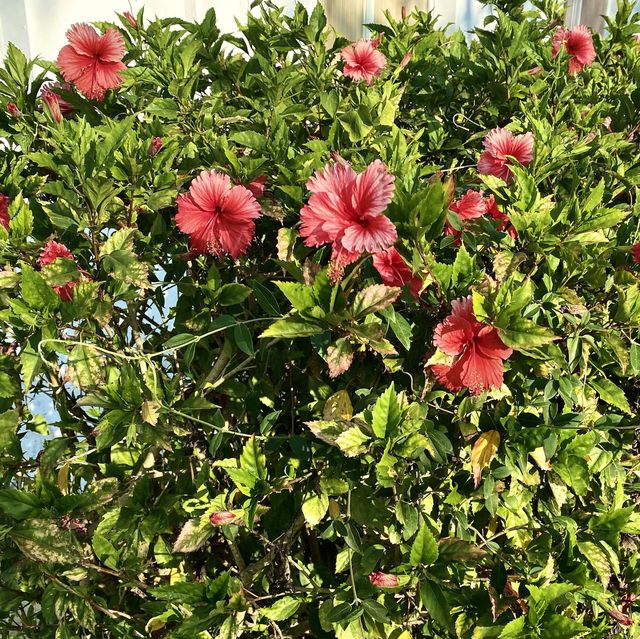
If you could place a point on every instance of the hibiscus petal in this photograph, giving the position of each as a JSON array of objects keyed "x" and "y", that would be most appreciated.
[
  {"x": 209, "y": 189},
  {"x": 84, "y": 39},
  {"x": 72, "y": 64},
  {"x": 371, "y": 234},
  {"x": 111, "y": 46},
  {"x": 489, "y": 344},
  {"x": 449, "y": 376},
  {"x": 107, "y": 74},
  {"x": 373, "y": 190},
  {"x": 453, "y": 334},
  {"x": 240, "y": 206},
  {"x": 480, "y": 373}
]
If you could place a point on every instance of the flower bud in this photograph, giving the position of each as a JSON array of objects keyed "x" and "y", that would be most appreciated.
[
  {"x": 155, "y": 146},
  {"x": 13, "y": 110},
  {"x": 222, "y": 517},
  {"x": 128, "y": 16}
]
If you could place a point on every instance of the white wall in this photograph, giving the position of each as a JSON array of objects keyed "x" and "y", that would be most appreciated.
[{"x": 38, "y": 26}]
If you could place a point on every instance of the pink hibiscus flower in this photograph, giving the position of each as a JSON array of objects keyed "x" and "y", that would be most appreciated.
[
  {"x": 578, "y": 43},
  {"x": 4, "y": 211},
  {"x": 635, "y": 252},
  {"x": 500, "y": 144},
  {"x": 477, "y": 348},
  {"x": 91, "y": 61},
  {"x": 383, "y": 580},
  {"x": 505, "y": 225},
  {"x": 345, "y": 210},
  {"x": 50, "y": 253},
  {"x": 394, "y": 271},
  {"x": 219, "y": 218},
  {"x": 363, "y": 61},
  {"x": 469, "y": 206}
]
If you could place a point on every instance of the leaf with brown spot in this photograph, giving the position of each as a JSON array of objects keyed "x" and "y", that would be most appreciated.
[{"x": 339, "y": 357}]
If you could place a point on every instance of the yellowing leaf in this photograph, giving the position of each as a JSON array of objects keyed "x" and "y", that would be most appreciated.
[
  {"x": 315, "y": 508},
  {"x": 338, "y": 406},
  {"x": 483, "y": 451},
  {"x": 150, "y": 411}
]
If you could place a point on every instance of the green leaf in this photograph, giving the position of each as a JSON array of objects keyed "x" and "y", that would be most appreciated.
[
  {"x": 42, "y": 540},
  {"x": 523, "y": 334},
  {"x": 352, "y": 442},
  {"x": 339, "y": 357},
  {"x": 249, "y": 139},
  {"x": 21, "y": 218},
  {"x": 598, "y": 559},
  {"x": 561, "y": 627},
  {"x": 293, "y": 326},
  {"x": 463, "y": 267},
  {"x": 386, "y": 413},
  {"x": 253, "y": 461},
  {"x": 30, "y": 363},
  {"x": 575, "y": 472},
  {"x": 85, "y": 366},
  {"x": 194, "y": 534},
  {"x": 315, "y": 508},
  {"x": 282, "y": 609},
  {"x": 424, "y": 549},
  {"x": 611, "y": 394},
  {"x": 301, "y": 296},
  {"x": 514, "y": 629},
  {"x": 435, "y": 602},
  {"x": 9, "y": 421},
  {"x": 243, "y": 339},
  {"x": 374, "y": 298},
  {"x": 18, "y": 504},
  {"x": 36, "y": 292},
  {"x": 231, "y": 294}
]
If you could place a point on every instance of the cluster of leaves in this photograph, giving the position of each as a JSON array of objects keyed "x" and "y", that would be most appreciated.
[{"x": 183, "y": 387}]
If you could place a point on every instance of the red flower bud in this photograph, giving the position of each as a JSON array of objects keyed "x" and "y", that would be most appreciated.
[
  {"x": 128, "y": 16},
  {"x": 155, "y": 146},
  {"x": 407, "y": 58},
  {"x": 4, "y": 211},
  {"x": 375, "y": 43},
  {"x": 53, "y": 104},
  {"x": 222, "y": 517},
  {"x": 621, "y": 618},
  {"x": 13, "y": 110},
  {"x": 635, "y": 253},
  {"x": 403, "y": 12},
  {"x": 383, "y": 580},
  {"x": 256, "y": 186}
]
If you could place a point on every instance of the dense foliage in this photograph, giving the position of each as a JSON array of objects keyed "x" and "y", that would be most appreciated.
[{"x": 268, "y": 446}]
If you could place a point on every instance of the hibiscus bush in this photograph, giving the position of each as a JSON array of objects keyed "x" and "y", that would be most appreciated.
[{"x": 305, "y": 337}]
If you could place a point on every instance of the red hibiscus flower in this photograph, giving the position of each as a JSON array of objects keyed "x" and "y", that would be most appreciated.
[
  {"x": 394, "y": 271},
  {"x": 383, "y": 580},
  {"x": 345, "y": 210},
  {"x": 363, "y": 61},
  {"x": 578, "y": 43},
  {"x": 222, "y": 518},
  {"x": 50, "y": 253},
  {"x": 4, "y": 211},
  {"x": 91, "y": 61},
  {"x": 13, "y": 110},
  {"x": 505, "y": 225},
  {"x": 635, "y": 251},
  {"x": 500, "y": 145},
  {"x": 256, "y": 186},
  {"x": 219, "y": 218},
  {"x": 476, "y": 347}
]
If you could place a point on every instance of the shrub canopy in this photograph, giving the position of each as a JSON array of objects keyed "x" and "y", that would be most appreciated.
[{"x": 265, "y": 431}]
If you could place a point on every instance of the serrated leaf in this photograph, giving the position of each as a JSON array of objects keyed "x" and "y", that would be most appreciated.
[
  {"x": 339, "y": 357},
  {"x": 560, "y": 627},
  {"x": 9, "y": 421},
  {"x": 523, "y": 334},
  {"x": 293, "y": 326},
  {"x": 424, "y": 550},
  {"x": 374, "y": 298},
  {"x": 386, "y": 413},
  {"x": 435, "y": 602},
  {"x": 483, "y": 451},
  {"x": 338, "y": 406},
  {"x": 315, "y": 508},
  {"x": 253, "y": 460},
  {"x": 281, "y": 609},
  {"x": 352, "y": 442},
  {"x": 36, "y": 292},
  {"x": 611, "y": 394},
  {"x": 597, "y": 557},
  {"x": 193, "y": 535},
  {"x": 42, "y": 540},
  {"x": 84, "y": 366}
]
